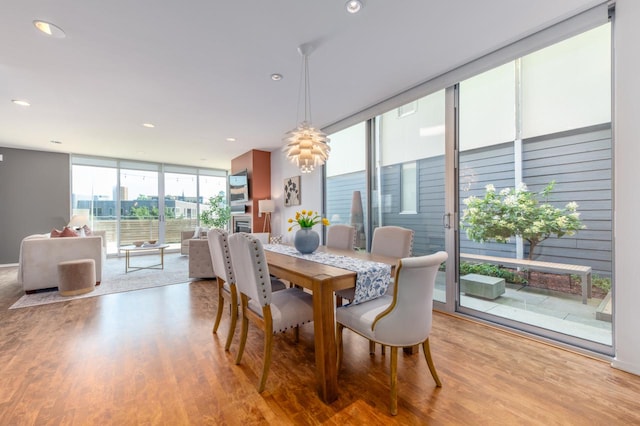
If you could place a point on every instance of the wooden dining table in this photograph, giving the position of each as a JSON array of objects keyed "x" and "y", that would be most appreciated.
[{"x": 323, "y": 280}]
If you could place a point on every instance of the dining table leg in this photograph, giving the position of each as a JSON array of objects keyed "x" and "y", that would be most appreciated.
[{"x": 325, "y": 338}]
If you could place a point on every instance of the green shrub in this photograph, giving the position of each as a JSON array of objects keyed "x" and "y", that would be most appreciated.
[
  {"x": 601, "y": 282},
  {"x": 491, "y": 270}
]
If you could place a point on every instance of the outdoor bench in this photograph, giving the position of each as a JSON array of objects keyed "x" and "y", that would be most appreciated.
[{"x": 584, "y": 272}]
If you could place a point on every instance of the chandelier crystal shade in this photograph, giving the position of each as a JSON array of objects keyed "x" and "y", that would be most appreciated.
[{"x": 306, "y": 146}]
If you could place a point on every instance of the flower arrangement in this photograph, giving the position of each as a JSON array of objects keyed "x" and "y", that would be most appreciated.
[
  {"x": 517, "y": 212},
  {"x": 307, "y": 219}
]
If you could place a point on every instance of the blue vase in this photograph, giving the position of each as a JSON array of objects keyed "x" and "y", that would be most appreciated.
[{"x": 306, "y": 240}]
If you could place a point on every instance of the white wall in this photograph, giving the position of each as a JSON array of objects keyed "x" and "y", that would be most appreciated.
[
  {"x": 419, "y": 134},
  {"x": 310, "y": 189},
  {"x": 627, "y": 203},
  {"x": 488, "y": 124},
  {"x": 347, "y": 144},
  {"x": 560, "y": 72}
]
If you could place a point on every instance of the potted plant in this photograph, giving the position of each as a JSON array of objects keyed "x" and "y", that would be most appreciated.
[{"x": 218, "y": 214}]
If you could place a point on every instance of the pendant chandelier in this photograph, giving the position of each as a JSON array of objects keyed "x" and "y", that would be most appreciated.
[{"x": 306, "y": 146}]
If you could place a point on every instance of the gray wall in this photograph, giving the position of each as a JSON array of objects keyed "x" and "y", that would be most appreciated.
[
  {"x": 34, "y": 196},
  {"x": 579, "y": 161}
]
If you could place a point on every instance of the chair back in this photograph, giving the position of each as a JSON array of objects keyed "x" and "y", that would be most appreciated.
[
  {"x": 250, "y": 267},
  {"x": 262, "y": 236},
  {"x": 341, "y": 237},
  {"x": 220, "y": 255},
  {"x": 415, "y": 279},
  {"x": 392, "y": 241}
]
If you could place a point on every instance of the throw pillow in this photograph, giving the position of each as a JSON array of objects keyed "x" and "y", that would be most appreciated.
[
  {"x": 68, "y": 232},
  {"x": 87, "y": 230},
  {"x": 197, "y": 233},
  {"x": 55, "y": 233}
]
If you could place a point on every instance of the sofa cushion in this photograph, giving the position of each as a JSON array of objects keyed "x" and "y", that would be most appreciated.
[{"x": 66, "y": 232}]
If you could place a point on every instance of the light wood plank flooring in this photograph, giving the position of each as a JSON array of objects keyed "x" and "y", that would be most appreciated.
[{"x": 148, "y": 357}]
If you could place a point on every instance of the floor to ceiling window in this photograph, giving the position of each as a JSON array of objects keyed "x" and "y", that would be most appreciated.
[
  {"x": 346, "y": 181},
  {"x": 409, "y": 176},
  {"x": 93, "y": 191},
  {"x": 538, "y": 129},
  {"x": 139, "y": 204},
  {"x": 135, "y": 201},
  {"x": 510, "y": 172}
]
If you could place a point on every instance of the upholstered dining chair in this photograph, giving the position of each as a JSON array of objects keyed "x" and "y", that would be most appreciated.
[
  {"x": 386, "y": 319},
  {"x": 223, "y": 269},
  {"x": 391, "y": 241},
  {"x": 262, "y": 236},
  {"x": 272, "y": 312},
  {"x": 341, "y": 237}
]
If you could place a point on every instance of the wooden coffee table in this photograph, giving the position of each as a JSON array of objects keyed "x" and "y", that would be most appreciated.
[{"x": 149, "y": 248}]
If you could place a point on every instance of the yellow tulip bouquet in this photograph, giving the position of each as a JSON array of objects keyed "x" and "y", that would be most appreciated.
[{"x": 306, "y": 219}]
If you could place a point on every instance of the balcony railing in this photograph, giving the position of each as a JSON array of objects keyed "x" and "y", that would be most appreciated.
[{"x": 141, "y": 229}]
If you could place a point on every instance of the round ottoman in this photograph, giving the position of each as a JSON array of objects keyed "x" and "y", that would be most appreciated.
[{"x": 76, "y": 277}]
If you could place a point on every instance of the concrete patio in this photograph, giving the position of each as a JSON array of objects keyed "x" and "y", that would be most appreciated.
[{"x": 552, "y": 310}]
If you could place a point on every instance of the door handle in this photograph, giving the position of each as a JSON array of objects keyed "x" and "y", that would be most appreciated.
[{"x": 446, "y": 220}]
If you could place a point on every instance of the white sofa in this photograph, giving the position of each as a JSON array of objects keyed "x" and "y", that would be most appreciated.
[{"x": 40, "y": 255}]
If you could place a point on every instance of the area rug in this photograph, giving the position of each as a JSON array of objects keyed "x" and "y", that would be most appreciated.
[{"x": 115, "y": 280}]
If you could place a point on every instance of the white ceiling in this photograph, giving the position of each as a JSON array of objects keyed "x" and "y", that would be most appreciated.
[{"x": 200, "y": 70}]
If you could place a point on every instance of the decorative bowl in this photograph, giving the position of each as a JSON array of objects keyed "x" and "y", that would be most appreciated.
[
  {"x": 152, "y": 241},
  {"x": 138, "y": 243}
]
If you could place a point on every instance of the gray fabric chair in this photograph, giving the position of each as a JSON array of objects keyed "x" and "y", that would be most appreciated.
[
  {"x": 391, "y": 241},
  {"x": 385, "y": 319},
  {"x": 223, "y": 268},
  {"x": 341, "y": 237},
  {"x": 272, "y": 312}
]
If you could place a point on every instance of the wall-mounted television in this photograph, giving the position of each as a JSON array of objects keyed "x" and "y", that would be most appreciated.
[{"x": 239, "y": 187}]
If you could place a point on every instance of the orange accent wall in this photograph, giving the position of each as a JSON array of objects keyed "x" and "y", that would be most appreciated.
[{"x": 258, "y": 165}]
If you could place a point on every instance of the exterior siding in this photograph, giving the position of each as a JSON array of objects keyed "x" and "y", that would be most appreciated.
[
  {"x": 340, "y": 193},
  {"x": 581, "y": 165},
  {"x": 579, "y": 161},
  {"x": 479, "y": 168}
]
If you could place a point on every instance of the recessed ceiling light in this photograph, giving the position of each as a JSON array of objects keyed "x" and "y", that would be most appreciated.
[
  {"x": 49, "y": 29},
  {"x": 148, "y": 125},
  {"x": 20, "y": 102},
  {"x": 231, "y": 139},
  {"x": 354, "y": 6},
  {"x": 56, "y": 142},
  {"x": 276, "y": 77}
]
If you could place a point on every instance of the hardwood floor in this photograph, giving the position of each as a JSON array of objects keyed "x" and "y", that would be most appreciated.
[{"x": 148, "y": 357}]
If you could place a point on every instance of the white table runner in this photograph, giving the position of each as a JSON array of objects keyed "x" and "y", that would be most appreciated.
[{"x": 372, "y": 280}]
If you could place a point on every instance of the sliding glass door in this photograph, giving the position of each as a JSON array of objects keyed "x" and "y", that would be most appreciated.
[
  {"x": 510, "y": 172},
  {"x": 93, "y": 194},
  {"x": 535, "y": 192},
  {"x": 136, "y": 201},
  {"x": 409, "y": 175},
  {"x": 139, "y": 205},
  {"x": 346, "y": 181}
]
